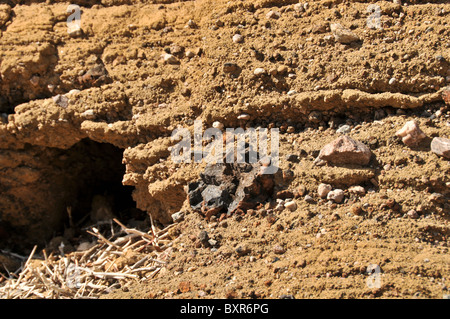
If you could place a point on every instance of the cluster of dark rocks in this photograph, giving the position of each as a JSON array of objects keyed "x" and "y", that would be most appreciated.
[{"x": 227, "y": 188}]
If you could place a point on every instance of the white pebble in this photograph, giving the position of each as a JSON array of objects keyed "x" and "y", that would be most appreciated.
[
  {"x": 218, "y": 125},
  {"x": 237, "y": 38},
  {"x": 169, "y": 58},
  {"x": 244, "y": 116},
  {"x": 292, "y": 206},
  {"x": 259, "y": 71}
]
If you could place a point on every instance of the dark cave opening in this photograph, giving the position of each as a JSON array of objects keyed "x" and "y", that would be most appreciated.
[
  {"x": 78, "y": 188},
  {"x": 100, "y": 192}
]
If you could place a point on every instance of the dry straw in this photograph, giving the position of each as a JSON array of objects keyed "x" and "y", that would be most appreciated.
[{"x": 129, "y": 255}]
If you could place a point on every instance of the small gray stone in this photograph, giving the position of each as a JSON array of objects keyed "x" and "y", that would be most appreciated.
[
  {"x": 178, "y": 217},
  {"x": 309, "y": 199},
  {"x": 203, "y": 236},
  {"x": 61, "y": 100},
  {"x": 344, "y": 129},
  {"x": 412, "y": 214}
]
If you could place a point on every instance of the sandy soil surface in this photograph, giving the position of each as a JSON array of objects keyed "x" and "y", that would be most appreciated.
[{"x": 75, "y": 107}]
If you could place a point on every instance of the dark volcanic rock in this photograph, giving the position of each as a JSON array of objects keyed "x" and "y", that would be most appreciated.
[{"x": 227, "y": 188}]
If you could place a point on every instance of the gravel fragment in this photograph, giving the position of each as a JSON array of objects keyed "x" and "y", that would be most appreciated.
[
  {"x": 291, "y": 205},
  {"x": 178, "y": 217},
  {"x": 343, "y": 35},
  {"x": 323, "y": 190},
  {"x": 441, "y": 146},
  {"x": 237, "y": 38},
  {"x": 336, "y": 195},
  {"x": 411, "y": 134},
  {"x": 278, "y": 249},
  {"x": 259, "y": 71}
]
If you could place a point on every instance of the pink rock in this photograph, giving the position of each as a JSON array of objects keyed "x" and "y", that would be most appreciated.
[
  {"x": 411, "y": 134},
  {"x": 336, "y": 195},
  {"x": 446, "y": 95},
  {"x": 323, "y": 190},
  {"x": 359, "y": 190},
  {"x": 441, "y": 146},
  {"x": 345, "y": 150}
]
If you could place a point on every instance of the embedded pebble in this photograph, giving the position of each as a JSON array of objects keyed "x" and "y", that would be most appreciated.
[
  {"x": 392, "y": 81},
  {"x": 342, "y": 34},
  {"x": 61, "y": 100},
  {"x": 259, "y": 71},
  {"x": 72, "y": 92},
  {"x": 191, "y": 24},
  {"x": 359, "y": 190},
  {"x": 243, "y": 116},
  {"x": 344, "y": 129},
  {"x": 178, "y": 217},
  {"x": 34, "y": 80},
  {"x": 217, "y": 125},
  {"x": 203, "y": 236},
  {"x": 230, "y": 67},
  {"x": 291, "y": 205},
  {"x": 299, "y": 7},
  {"x": 336, "y": 195},
  {"x": 169, "y": 58},
  {"x": 291, "y": 157},
  {"x": 74, "y": 30},
  {"x": 88, "y": 114},
  {"x": 189, "y": 54},
  {"x": 323, "y": 190},
  {"x": 345, "y": 150},
  {"x": 237, "y": 38},
  {"x": 273, "y": 14},
  {"x": 441, "y": 146},
  {"x": 277, "y": 249},
  {"x": 412, "y": 214},
  {"x": 315, "y": 116},
  {"x": 411, "y": 134},
  {"x": 446, "y": 92}
]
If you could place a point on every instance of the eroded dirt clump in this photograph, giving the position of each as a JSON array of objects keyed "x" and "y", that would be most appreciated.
[{"x": 80, "y": 112}]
